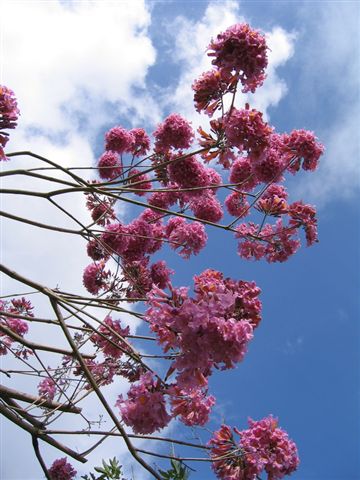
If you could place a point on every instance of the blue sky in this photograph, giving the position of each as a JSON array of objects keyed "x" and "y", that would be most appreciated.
[{"x": 303, "y": 364}]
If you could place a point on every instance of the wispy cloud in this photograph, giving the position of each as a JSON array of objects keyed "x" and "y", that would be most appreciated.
[
  {"x": 330, "y": 56},
  {"x": 293, "y": 346},
  {"x": 67, "y": 60}
]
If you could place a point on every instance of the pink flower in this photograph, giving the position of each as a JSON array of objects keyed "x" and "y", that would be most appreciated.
[
  {"x": 227, "y": 459},
  {"x": 145, "y": 236},
  {"x": 110, "y": 165},
  {"x": 96, "y": 251},
  {"x": 144, "y": 410},
  {"x": 273, "y": 200},
  {"x": 211, "y": 330},
  {"x": 304, "y": 215},
  {"x": 9, "y": 111},
  {"x": 47, "y": 388},
  {"x": 141, "y": 143},
  {"x": 207, "y": 207},
  {"x": 188, "y": 173},
  {"x": 17, "y": 306},
  {"x": 263, "y": 446},
  {"x": 214, "y": 178},
  {"x": 101, "y": 208},
  {"x": 108, "y": 340},
  {"x": 174, "y": 132},
  {"x": 22, "y": 306},
  {"x": 237, "y": 205},
  {"x": 302, "y": 144},
  {"x": 246, "y": 130},
  {"x": 115, "y": 238},
  {"x": 141, "y": 182},
  {"x": 274, "y": 242},
  {"x": 194, "y": 408},
  {"x": 269, "y": 447},
  {"x": 242, "y": 174},
  {"x": 250, "y": 245},
  {"x": 20, "y": 327},
  {"x": 164, "y": 199},
  {"x": 61, "y": 470},
  {"x": 95, "y": 277},
  {"x": 243, "y": 50},
  {"x": 269, "y": 166},
  {"x": 209, "y": 88},
  {"x": 281, "y": 243},
  {"x": 138, "y": 276},
  {"x": 103, "y": 372},
  {"x": 160, "y": 274},
  {"x": 189, "y": 237},
  {"x": 119, "y": 140}
]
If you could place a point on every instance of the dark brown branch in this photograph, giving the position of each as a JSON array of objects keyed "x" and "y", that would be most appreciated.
[
  {"x": 7, "y": 392},
  {"x": 39, "y": 224},
  {"x": 179, "y": 459},
  {"x": 50, "y": 162},
  {"x": 35, "y": 443},
  {"x": 99, "y": 394},
  {"x": 115, "y": 434},
  {"x": 29, "y": 173},
  {"x": 37, "y": 346},
  {"x": 27, "y": 416}
]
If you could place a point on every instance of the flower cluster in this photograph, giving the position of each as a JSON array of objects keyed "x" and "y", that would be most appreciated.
[
  {"x": 141, "y": 143},
  {"x": 276, "y": 243},
  {"x": 9, "y": 114},
  {"x": 243, "y": 50},
  {"x": 119, "y": 140},
  {"x": 174, "y": 133},
  {"x": 303, "y": 145},
  {"x": 189, "y": 237},
  {"x": 110, "y": 165},
  {"x": 145, "y": 408},
  {"x": 192, "y": 407},
  {"x": 211, "y": 330},
  {"x": 246, "y": 130},
  {"x": 19, "y": 327},
  {"x": 209, "y": 89},
  {"x": 95, "y": 278},
  {"x": 101, "y": 208},
  {"x": 61, "y": 469},
  {"x": 109, "y": 340},
  {"x": 47, "y": 388},
  {"x": 140, "y": 181},
  {"x": 263, "y": 446}
]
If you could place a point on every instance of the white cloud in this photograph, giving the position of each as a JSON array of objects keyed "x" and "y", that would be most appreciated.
[
  {"x": 53, "y": 54},
  {"x": 330, "y": 53},
  {"x": 339, "y": 174}
]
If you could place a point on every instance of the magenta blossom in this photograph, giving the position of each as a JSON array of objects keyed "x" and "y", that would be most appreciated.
[
  {"x": 47, "y": 388},
  {"x": 243, "y": 50},
  {"x": 109, "y": 165},
  {"x": 119, "y": 140},
  {"x": 145, "y": 409},
  {"x": 61, "y": 470},
  {"x": 174, "y": 132}
]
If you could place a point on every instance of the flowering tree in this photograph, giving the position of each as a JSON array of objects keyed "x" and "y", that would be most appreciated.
[{"x": 180, "y": 199}]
